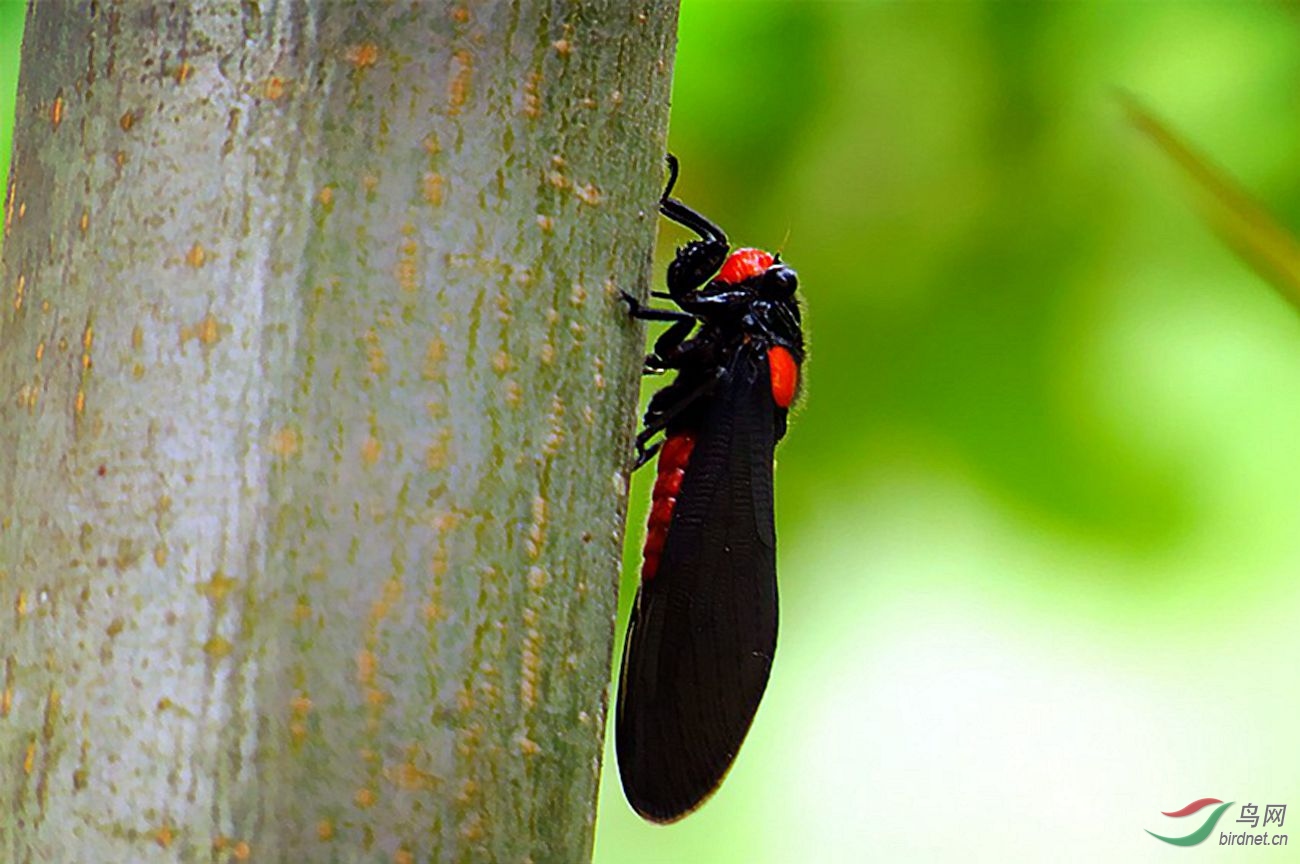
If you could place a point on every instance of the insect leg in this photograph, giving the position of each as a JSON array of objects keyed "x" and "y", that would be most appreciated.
[
  {"x": 669, "y": 340},
  {"x": 670, "y": 347},
  {"x": 698, "y": 260},
  {"x": 658, "y": 419},
  {"x": 642, "y": 312},
  {"x": 685, "y": 216}
]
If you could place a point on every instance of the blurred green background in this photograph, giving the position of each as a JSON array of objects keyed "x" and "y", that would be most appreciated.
[
  {"x": 1040, "y": 530},
  {"x": 1039, "y": 512}
]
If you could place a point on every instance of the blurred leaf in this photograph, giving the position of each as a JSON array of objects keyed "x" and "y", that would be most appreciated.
[{"x": 1244, "y": 224}]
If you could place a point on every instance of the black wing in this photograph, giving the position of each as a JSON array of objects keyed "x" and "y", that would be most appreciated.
[{"x": 703, "y": 629}]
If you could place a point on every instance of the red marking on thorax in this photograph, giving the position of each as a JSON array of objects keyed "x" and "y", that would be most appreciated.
[
  {"x": 784, "y": 373},
  {"x": 742, "y": 264},
  {"x": 673, "y": 458}
]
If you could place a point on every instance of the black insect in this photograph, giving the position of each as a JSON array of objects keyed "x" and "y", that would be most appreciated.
[{"x": 703, "y": 629}]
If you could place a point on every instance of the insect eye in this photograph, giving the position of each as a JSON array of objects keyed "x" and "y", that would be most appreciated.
[{"x": 780, "y": 282}]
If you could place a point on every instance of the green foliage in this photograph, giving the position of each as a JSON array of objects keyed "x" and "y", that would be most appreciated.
[{"x": 1244, "y": 225}]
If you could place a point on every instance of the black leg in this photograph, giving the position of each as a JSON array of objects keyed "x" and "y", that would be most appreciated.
[
  {"x": 670, "y": 347},
  {"x": 658, "y": 420},
  {"x": 685, "y": 216},
  {"x": 666, "y": 346},
  {"x": 642, "y": 312},
  {"x": 643, "y": 453},
  {"x": 698, "y": 260}
]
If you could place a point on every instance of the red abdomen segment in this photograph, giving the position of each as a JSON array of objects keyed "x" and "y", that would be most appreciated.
[{"x": 673, "y": 458}]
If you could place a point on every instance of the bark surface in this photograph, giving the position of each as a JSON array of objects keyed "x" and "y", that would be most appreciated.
[{"x": 317, "y": 406}]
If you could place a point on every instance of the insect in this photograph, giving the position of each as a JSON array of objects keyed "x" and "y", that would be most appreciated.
[{"x": 703, "y": 628}]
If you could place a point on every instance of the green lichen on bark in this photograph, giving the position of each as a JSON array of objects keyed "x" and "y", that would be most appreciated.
[{"x": 317, "y": 401}]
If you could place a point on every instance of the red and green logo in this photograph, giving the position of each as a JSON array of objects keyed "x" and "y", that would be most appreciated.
[{"x": 1200, "y": 833}]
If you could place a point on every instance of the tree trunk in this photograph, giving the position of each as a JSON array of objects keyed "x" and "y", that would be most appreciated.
[{"x": 317, "y": 402}]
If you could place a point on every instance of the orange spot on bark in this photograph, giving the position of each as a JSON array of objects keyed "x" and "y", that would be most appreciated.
[{"x": 362, "y": 55}]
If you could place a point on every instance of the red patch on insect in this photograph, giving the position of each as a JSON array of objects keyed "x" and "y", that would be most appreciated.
[
  {"x": 784, "y": 374},
  {"x": 673, "y": 457},
  {"x": 744, "y": 264}
]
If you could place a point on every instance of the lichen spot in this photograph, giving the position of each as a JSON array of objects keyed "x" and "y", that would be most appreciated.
[
  {"x": 325, "y": 830},
  {"x": 197, "y": 255},
  {"x": 435, "y": 455},
  {"x": 52, "y": 702},
  {"x": 364, "y": 798},
  {"x": 536, "y": 537},
  {"x": 218, "y": 587},
  {"x": 285, "y": 442},
  {"x": 242, "y": 851},
  {"x": 208, "y": 330},
  {"x": 300, "y": 705},
  {"x": 217, "y": 648},
  {"x": 472, "y": 829},
  {"x": 431, "y": 186},
  {"x": 362, "y": 55},
  {"x": 532, "y": 99},
  {"x": 407, "y": 271},
  {"x": 274, "y": 88},
  {"x": 365, "y": 666},
  {"x": 461, "y": 78}
]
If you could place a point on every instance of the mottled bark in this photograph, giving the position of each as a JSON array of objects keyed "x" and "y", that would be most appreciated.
[{"x": 317, "y": 402}]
